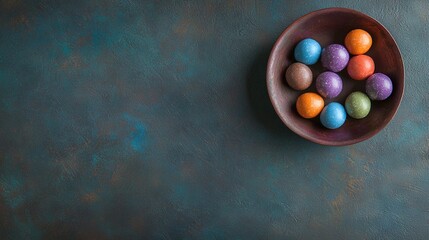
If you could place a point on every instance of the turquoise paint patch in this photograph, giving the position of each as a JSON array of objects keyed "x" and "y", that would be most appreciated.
[
  {"x": 100, "y": 18},
  {"x": 97, "y": 37},
  {"x": 180, "y": 191},
  {"x": 274, "y": 171},
  {"x": 113, "y": 136},
  {"x": 12, "y": 191},
  {"x": 65, "y": 48},
  {"x": 138, "y": 137},
  {"x": 95, "y": 159}
]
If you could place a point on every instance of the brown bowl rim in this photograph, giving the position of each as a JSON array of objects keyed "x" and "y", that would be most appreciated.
[{"x": 296, "y": 129}]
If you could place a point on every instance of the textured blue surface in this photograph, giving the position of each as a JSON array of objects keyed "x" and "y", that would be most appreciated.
[{"x": 151, "y": 120}]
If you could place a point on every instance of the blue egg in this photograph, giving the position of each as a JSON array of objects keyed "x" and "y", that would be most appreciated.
[
  {"x": 333, "y": 115},
  {"x": 308, "y": 51}
]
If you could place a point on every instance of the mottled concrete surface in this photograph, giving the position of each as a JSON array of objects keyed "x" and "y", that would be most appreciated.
[{"x": 150, "y": 120}]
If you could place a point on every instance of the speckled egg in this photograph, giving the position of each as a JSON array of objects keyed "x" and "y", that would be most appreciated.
[
  {"x": 335, "y": 57},
  {"x": 299, "y": 76},
  {"x": 308, "y": 51},
  {"x": 358, "y": 105},
  {"x": 360, "y": 67},
  {"x": 329, "y": 84},
  {"x": 333, "y": 115},
  {"x": 379, "y": 86},
  {"x": 358, "y": 41},
  {"x": 309, "y": 105}
]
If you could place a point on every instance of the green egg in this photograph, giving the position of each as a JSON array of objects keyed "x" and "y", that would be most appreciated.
[{"x": 358, "y": 105}]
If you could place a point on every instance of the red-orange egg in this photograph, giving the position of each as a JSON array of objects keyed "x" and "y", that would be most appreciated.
[{"x": 360, "y": 67}]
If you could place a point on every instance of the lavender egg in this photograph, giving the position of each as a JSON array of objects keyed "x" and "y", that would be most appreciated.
[
  {"x": 335, "y": 57},
  {"x": 379, "y": 86},
  {"x": 329, "y": 84}
]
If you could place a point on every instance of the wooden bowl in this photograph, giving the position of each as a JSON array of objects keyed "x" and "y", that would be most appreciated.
[{"x": 328, "y": 26}]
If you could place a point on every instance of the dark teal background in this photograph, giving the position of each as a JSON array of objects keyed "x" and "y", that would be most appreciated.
[{"x": 151, "y": 120}]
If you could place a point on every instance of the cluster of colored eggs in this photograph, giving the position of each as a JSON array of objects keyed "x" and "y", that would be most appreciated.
[{"x": 335, "y": 58}]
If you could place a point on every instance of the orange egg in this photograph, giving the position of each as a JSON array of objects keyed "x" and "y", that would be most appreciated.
[
  {"x": 358, "y": 41},
  {"x": 309, "y": 105},
  {"x": 360, "y": 67}
]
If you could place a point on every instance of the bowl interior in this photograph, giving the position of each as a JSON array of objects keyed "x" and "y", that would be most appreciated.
[{"x": 329, "y": 26}]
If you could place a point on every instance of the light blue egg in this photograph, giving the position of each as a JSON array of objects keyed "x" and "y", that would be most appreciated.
[
  {"x": 333, "y": 115},
  {"x": 308, "y": 51}
]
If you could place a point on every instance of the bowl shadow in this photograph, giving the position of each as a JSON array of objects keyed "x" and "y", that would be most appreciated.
[{"x": 260, "y": 101}]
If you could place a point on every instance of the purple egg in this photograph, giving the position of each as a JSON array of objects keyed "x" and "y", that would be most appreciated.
[
  {"x": 379, "y": 86},
  {"x": 335, "y": 57},
  {"x": 329, "y": 84}
]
